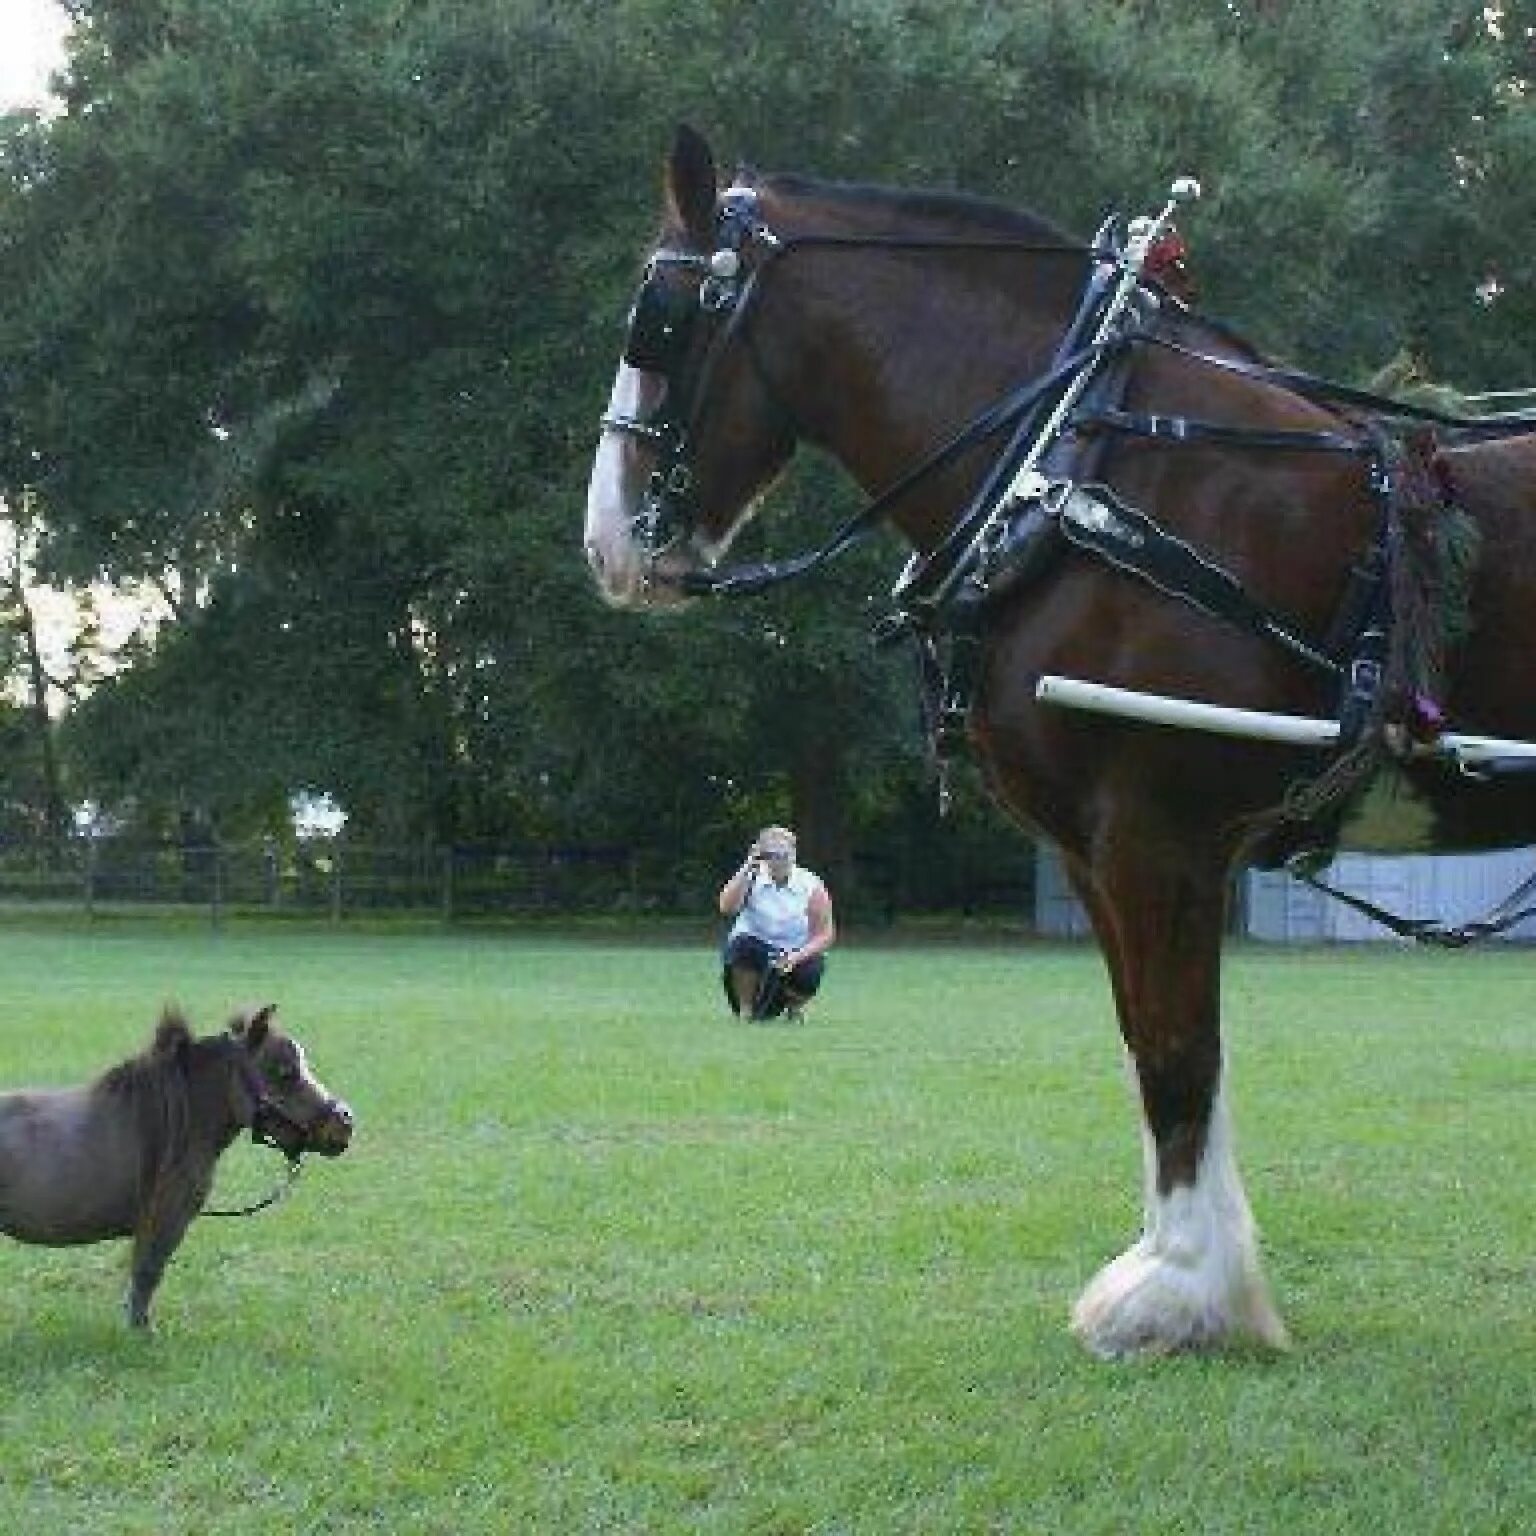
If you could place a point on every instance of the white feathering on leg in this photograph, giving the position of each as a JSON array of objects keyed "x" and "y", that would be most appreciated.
[{"x": 1193, "y": 1280}]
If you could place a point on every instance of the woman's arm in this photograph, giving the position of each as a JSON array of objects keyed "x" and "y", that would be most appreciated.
[
  {"x": 734, "y": 893},
  {"x": 823, "y": 934}
]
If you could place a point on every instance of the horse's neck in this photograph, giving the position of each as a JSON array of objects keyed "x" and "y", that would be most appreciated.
[
  {"x": 910, "y": 347},
  {"x": 212, "y": 1073}
]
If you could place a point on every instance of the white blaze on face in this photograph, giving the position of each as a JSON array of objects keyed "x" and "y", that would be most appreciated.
[
  {"x": 307, "y": 1075},
  {"x": 619, "y": 474}
]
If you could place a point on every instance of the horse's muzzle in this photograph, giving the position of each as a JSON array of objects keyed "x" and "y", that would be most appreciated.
[{"x": 331, "y": 1134}]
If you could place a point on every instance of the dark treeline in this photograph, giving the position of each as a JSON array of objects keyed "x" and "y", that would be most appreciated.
[{"x": 308, "y": 308}]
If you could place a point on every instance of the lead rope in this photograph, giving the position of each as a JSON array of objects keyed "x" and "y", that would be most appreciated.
[{"x": 275, "y": 1196}]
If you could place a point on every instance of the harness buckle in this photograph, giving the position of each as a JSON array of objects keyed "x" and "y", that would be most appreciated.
[
  {"x": 1366, "y": 671},
  {"x": 1028, "y": 485},
  {"x": 1174, "y": 429},
  {"x": 718, "y": 294}
]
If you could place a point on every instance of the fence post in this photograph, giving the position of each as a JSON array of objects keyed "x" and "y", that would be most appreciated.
[
  {"x": 216, "y": 894},
  {"x": 336, "y": 880},
  {"x": 448, "y": 862},
  {"x": 90, "y": 876}
]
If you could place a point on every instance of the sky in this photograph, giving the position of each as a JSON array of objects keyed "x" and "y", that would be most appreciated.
[{"x": 31, "y": 46}]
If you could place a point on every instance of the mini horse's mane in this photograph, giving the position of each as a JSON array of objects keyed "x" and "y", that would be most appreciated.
[
  {"x": 155, "y": 1088},
  {"x": 162, "y": 1057},
  {"x": 897, "y": 209}
]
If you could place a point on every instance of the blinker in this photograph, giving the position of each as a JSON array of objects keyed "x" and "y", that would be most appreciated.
[
  {"x": 661, "y": 332},
  {"x": 660, "y": 323}
]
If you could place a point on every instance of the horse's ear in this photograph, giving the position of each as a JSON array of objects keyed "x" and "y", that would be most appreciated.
[
  {"x": 251, "y": 1026},
  {"x": 691, "y": 189},
  {"x": 172, "y": 1036}
]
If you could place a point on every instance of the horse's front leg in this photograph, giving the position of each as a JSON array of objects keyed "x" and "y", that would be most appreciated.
[
  {"x": 1193, "y": 1280},
  {"x": 158, "y": 1235}
]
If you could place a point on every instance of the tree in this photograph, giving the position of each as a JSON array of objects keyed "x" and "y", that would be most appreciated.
[
  {"x": 258, "y": 367},
  {"x": 19, "y": 626},
  {"x": 307, "y": 309}
]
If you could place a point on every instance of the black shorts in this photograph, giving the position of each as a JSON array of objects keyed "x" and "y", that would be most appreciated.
[{"x": 751, "y": 952}]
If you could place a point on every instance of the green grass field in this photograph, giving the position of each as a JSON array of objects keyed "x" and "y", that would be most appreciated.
[{"x": 601, "y": 1261}]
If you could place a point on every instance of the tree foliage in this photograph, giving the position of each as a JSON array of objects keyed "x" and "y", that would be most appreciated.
[{"x": 307, "y": 308}]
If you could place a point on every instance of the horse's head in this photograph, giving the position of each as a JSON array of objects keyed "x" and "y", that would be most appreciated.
[
  {"x": 291, "y": 1108},
  {"x": 666, "y": 495}
]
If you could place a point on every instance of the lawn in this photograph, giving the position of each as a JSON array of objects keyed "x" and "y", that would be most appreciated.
[{"x": 600, "y": 1260}]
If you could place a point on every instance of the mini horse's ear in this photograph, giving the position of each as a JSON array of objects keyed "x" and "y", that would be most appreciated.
[
  {"x": 691, "y": 189},
  {"x": 252, "y": 1025},
  {"x": 172, "y": 1036}
]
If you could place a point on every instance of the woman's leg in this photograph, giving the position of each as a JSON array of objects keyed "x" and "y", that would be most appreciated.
[
  {"x": 744, "y": 963},
  {"x": 802, "y": 984}
]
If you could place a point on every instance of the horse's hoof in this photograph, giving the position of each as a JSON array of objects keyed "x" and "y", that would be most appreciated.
[{"x": 1146, "y": 1303}]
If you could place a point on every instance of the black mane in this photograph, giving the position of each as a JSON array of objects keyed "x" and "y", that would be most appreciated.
[
  {"x": 165, "y": 1052},
  {"x": 954, "y": 213},
  {"x": 156, "y": 1089}
]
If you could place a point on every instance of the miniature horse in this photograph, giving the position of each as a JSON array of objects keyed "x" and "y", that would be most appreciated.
[
  {"x": 877, "y": 324},
  {"x": 133, "y": 1154}
]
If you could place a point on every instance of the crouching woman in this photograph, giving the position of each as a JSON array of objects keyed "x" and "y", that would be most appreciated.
[{"x": 781, "y": 926}]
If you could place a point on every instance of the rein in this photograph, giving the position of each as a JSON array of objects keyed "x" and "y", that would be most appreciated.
[
  {"x": 747, "y": 580},
  {"x": 1311, "y": 386}
]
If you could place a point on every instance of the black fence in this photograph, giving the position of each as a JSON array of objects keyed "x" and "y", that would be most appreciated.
[
  {"x": 331, "y": 878},
  {"x": 337, "y": 878}
]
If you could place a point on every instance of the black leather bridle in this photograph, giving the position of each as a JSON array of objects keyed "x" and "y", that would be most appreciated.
[
  {"x": 665, "y": 320},
  {"x": 663, "y": 339}
]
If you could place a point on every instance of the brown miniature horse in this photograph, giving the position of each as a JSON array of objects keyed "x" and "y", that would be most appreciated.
[
  {"x": 875, "y": 324},
  {"x": 133, "y": 1154}
]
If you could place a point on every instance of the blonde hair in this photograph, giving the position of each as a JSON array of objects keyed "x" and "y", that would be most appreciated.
[{"x": 776, "y": 834}]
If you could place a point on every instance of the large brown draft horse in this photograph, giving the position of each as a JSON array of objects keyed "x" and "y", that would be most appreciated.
[
  {"x": 909, "y": 335},
  {"x": 133, "y": 1153}
]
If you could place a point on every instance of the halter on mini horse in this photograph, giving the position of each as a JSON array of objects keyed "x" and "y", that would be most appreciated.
[{"x": 1097, "y": 485}]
